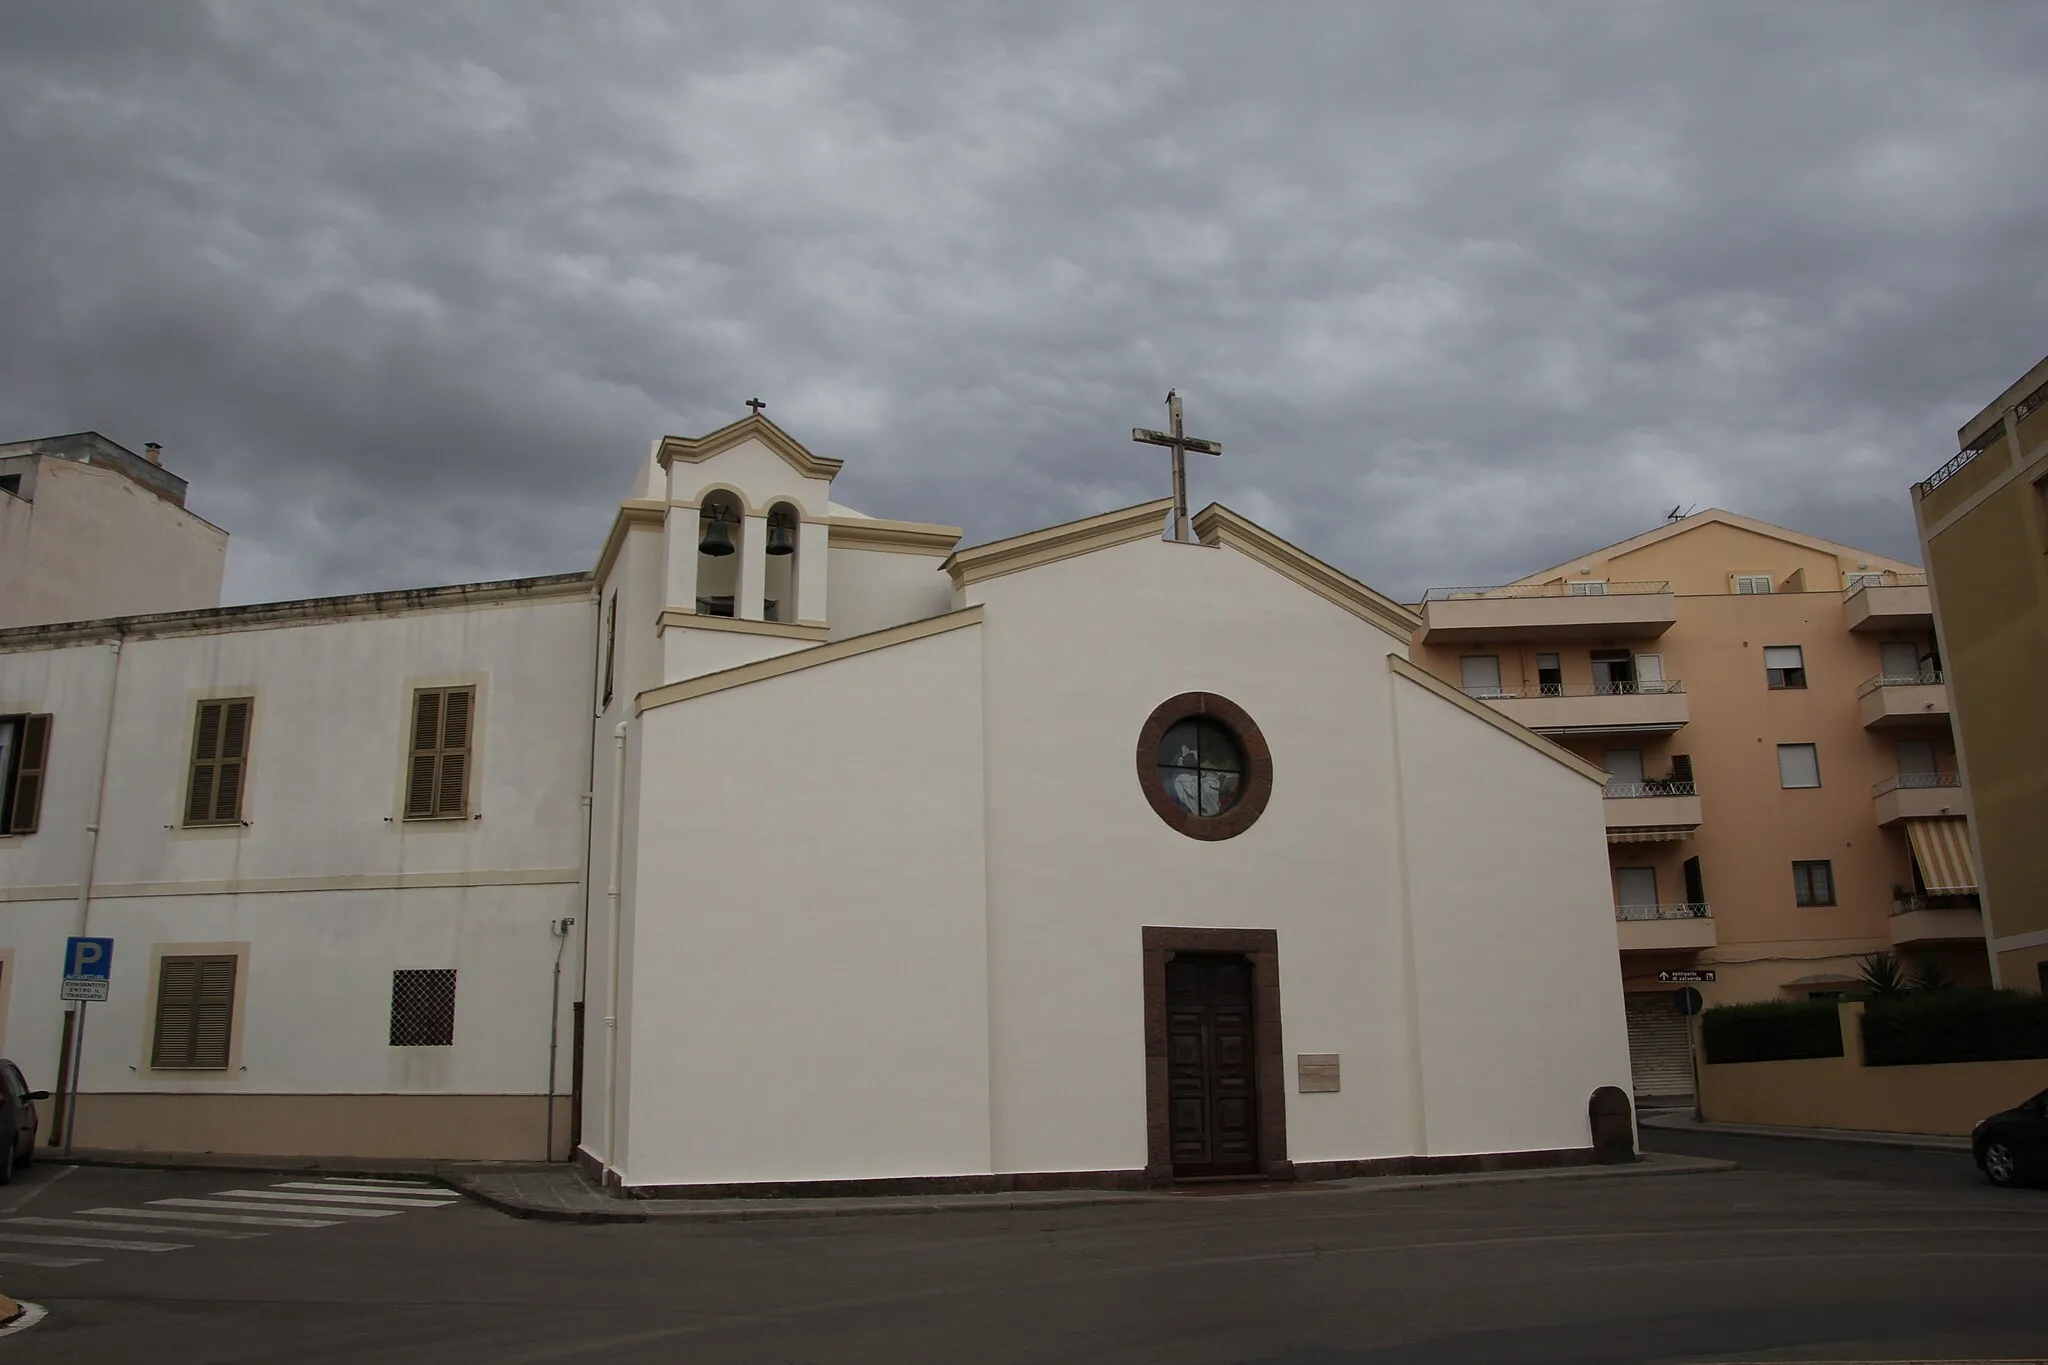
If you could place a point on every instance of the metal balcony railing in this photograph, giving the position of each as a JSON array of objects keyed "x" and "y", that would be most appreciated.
[
  {"x": 1920, "y": 679},
  {"x": 1558, "y": 589},
  {"x": 1889, "y": 578},
  {"x": 1936, "y": 900},
  {"x": 1683, "y": 910},
  {"x": 1686, "y": 909},
  {"x": 1667, "y": 787},
  {"x": 1915, "y": 782},
  {"x": 1654, "y": 688}
]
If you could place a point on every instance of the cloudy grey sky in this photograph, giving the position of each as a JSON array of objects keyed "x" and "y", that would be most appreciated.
[{"x": 406, "y": 289}]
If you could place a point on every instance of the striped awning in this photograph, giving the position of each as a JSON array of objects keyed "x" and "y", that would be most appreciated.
[{"x": 1942, "y": 848}]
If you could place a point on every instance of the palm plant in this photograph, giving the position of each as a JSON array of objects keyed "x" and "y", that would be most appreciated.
[
  {"x": 1930, "y": 975},
  {"x": 1882, "y": 975}
]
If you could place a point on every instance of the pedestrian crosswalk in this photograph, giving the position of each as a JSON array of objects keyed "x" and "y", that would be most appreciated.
[{"x": 173, "y": 1224}]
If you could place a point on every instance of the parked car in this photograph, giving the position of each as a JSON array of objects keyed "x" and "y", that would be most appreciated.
[
  {"x": 18, "y": 1120},
  {"x": 2012, "y": 1147}
]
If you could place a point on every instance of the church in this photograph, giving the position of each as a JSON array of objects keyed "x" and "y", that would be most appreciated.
[{"x": 1125, "y": 851}]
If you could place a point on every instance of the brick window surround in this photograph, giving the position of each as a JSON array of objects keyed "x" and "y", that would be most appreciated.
[{"x": 1258, "y": 765}]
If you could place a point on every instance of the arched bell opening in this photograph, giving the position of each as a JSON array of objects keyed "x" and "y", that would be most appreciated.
[
  {"x": 779, "y": 597},
  {"x": 721, "y": 528}
]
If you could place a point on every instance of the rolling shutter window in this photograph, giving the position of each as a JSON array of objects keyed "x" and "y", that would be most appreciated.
[
  {"x": 220, "y": 760},
  {"x": 1636, "y": 886},
  {"x": 1798, "y": 765},
  {"x": 195, "y": 1009},
  {"x": 437, "y": 776},
  {"x": 25, "y": 801},
  {"x": 1479, "y": 675}
]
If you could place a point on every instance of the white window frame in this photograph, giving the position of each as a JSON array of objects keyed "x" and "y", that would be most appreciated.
[{"x": 1753, "y": 585}]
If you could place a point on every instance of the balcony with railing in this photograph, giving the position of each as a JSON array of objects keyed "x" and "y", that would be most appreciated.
[
  {"x": 1889, "y": 601},
  {"x": 1602, "y": 708},
  {"x": 1894, "y": 700},
  {"x": 1684, "y": 927},
  {"x": 1586, "y": 610},
  {"x": 1639, "y": 812},
  {"x": 1922, "y": 918},
  {"x": 1918, "y": 796}
]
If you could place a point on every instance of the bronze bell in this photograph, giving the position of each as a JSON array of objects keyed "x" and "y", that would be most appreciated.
[
  {"x": 717, "y": 540},
  {"x": 779, "y": 540}
]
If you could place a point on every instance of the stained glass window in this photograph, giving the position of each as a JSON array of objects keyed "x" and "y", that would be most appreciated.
[{"x": 1201, "y": 766}]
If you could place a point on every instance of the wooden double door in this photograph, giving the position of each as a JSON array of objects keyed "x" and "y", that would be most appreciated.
[{"x": 1211, "y": 1065}]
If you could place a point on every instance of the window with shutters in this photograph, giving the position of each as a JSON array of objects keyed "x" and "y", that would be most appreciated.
[
  {"x": 437, "y": 773},
  {"x": 1784, "y": 667},
  {"x": 1813, "y": 883},
  {"x": 611, "y": 648},
  {"x": 220, "y": 762},
  {"x": 195, "y": 1013},
  {"x": 1753, "y": 583},
  {"x": 1798, "y": 765},
  {"x": 24, "y": 755},
  {"x": 423, "y": 1007}
]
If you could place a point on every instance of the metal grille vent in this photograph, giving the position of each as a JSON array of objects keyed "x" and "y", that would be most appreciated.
[{"x": 423, "y": 1007}]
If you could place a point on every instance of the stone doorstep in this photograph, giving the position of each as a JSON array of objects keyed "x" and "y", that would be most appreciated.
[{"x": 568, "y": 1197}]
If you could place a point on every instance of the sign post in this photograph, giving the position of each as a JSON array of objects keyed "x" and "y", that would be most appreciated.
[
  {"x": 1688, "y": 1002},
  {"x": 88, "y": 967}
]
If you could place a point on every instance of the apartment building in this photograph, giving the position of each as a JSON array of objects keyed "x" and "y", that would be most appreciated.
[
  {"x": 1783, "y": 794},
  {"x": 1983, "y": 524},
  {"x": 90, "y": 529}
]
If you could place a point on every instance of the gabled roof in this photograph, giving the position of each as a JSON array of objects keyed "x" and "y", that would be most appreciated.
[
  {"x": 1725, "y": 518},
  {"x": 752, "y": 427},
  {"x": 1146, "y": 521},
  {"x": 1218, "y": 525}
]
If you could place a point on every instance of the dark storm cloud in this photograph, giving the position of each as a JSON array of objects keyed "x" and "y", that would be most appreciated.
[{"x": 406, "y": 290}]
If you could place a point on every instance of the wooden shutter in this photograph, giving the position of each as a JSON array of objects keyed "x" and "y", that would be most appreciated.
[
  {"x": 25, "y": 803},
  {"x": 195, "y": 1009},
  {"x": 437, "y": 774},
  {"x": 611, "y": 647},
  {"x": 220, "y": 761}
]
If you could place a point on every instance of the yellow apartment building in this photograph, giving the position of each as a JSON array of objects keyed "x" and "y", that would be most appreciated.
[
  {"x": 1984, "y": 531},
  {"x": 1783, "y": 793}
]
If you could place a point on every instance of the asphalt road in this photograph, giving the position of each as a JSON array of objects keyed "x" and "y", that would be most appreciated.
[{"x": 1829, "y": 1254}]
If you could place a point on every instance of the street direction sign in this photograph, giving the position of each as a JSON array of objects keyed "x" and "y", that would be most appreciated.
[
  {"x": 1687, "y": 976},
  {"x": 88, "y": 963}
]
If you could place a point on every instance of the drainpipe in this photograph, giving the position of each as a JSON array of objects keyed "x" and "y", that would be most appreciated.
[
  {"x": 611, "y": 895},
  {"x": 85, "y": 881},
  {"x": 560, "y": 928}
]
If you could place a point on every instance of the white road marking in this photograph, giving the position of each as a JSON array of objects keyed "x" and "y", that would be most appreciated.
[
  {"x": 97, "y": 1225},
  {"x": 387, "y": 1184},
  {"x": 101, "y": 1243},
  {"x": 46, "y": 1262},
  {"x": 339, "y": 1187},
  {"x": 260, "y": 1206},
  {"x": 386, "y": 1200},
  {"x": 246, "y": 1219},
  {"x": 355, "y": 1203}
]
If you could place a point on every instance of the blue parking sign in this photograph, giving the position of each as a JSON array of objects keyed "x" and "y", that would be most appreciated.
[{"x": 88, "y": 963}]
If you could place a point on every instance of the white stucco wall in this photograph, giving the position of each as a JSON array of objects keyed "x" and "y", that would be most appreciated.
[
  {"x": 755, "y": 472},
  {"x": 874, "y": 589},
  {"x": 808, "y": 988},
  {"x": 328, "y": 885},
  {"x": 93, "y": 543},
  {"x": 689, "y": 652},
  {"x": 1079, "y": 654},
  {"x": 1518, "y": 993}
]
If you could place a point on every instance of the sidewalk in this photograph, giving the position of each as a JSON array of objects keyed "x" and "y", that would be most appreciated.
[
  {"x": 563, "y": 1194},
  {"x": 1680, "y": 1122}
]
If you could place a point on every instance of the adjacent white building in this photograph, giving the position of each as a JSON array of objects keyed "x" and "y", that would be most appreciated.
[{"x": 1086, "y": 856}]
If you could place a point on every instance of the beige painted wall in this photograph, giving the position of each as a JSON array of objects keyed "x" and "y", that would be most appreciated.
[
  {"x": 1752, "y": 829},
  {"x": 94, "y": 543},
  {"x": 1985, "y": 532}
]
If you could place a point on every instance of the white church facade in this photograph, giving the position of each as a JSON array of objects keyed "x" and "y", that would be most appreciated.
[{"x": 796, "y": 849}]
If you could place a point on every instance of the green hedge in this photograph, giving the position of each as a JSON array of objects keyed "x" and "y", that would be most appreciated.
[
  {"x": 1771, "y": 1031},
  {"x": 1919, "y": 1028}
]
